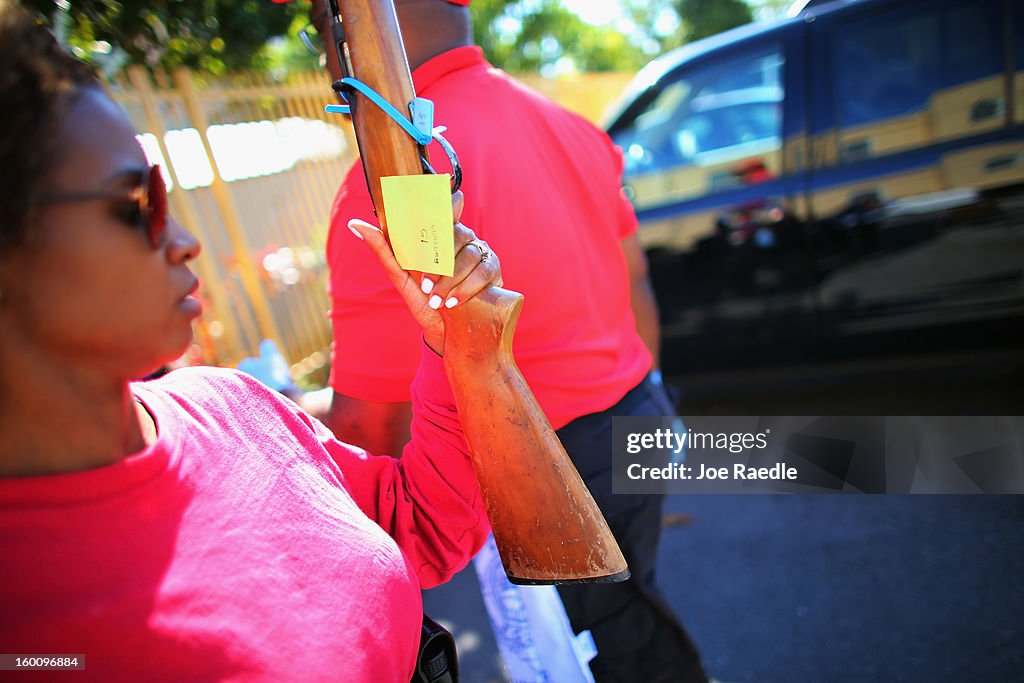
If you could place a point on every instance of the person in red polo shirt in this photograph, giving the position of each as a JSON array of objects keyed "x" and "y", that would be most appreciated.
[{"x": 535, "y": 174}]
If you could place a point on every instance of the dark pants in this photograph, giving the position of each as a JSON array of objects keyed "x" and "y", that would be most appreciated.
[{"x": 639, "y": 639}]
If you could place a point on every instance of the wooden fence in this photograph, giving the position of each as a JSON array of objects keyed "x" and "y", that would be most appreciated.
[{"x": 252, "y": 166}]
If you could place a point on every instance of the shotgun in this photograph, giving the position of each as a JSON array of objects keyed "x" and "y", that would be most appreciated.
[{"x": 546, "y": 525}]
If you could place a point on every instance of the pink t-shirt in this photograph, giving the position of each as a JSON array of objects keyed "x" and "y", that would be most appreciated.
[
  {"x": 542, "y": 186},
  {"x": 245, "y": 544}
]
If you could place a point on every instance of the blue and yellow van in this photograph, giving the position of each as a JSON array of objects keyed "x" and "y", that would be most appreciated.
[{"x": 848, "y": 182}]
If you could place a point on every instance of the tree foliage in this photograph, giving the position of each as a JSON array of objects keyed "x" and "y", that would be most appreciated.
[
  {"x": 703, "y": 18},
  {"x": 214, "y": 36},
  {"x": 527, "y": 35},
  {"x": 206, "y": 35}
]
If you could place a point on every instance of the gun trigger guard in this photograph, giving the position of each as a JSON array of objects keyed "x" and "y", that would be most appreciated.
[
  {"x": 453, "y": 158},
  {"x": 345, "y": 86}
]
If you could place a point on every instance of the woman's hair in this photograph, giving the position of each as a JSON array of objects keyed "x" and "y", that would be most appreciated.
[{"x": 38, "y": 83}]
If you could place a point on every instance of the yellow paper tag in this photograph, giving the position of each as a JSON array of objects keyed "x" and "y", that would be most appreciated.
[{"x": 419, "y": 211}]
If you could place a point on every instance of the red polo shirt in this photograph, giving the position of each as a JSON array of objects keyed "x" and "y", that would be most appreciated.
[{"x": 542, "y": 186}]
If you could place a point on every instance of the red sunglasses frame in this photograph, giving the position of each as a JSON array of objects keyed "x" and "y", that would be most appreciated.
[{"x": 149, "y": 196}]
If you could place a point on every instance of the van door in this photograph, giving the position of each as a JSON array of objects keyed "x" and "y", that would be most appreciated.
[
  {"x": 712, "y": 165},
  {"x": 916, "y": 180}
]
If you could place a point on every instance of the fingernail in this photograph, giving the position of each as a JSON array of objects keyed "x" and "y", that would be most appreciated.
[
  {"x": 362, "y": 224},
  {"x": 427, "y": 285},
  {"x": 434, "y": 302},
  {"x": 452, "y": 301}
]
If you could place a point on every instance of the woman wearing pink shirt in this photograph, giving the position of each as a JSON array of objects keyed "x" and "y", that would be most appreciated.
[{"x": 198, "y": 526}]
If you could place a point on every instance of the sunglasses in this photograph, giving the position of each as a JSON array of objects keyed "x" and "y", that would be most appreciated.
[{"x": 143, "y": 207}]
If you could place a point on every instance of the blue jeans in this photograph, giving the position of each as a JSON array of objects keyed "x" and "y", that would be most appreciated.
[{"x": 638, "y": 637}]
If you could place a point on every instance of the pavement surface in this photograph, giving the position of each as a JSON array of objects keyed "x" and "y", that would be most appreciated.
[
  {"x": 823, "y": 588},
  {"x": 829, "y": 587}
]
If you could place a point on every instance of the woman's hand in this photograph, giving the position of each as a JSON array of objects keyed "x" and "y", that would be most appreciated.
[{"x": 476, "y": 267}]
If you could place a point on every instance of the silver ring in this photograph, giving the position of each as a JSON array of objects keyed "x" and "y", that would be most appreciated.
[{"x": 485, "y": 253}]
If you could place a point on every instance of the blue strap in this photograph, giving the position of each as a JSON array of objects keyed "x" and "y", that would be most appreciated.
[{"x": 385, "y": 106}]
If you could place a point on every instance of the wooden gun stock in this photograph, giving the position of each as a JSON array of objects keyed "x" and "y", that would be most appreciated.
[{"x": 546, "y": 525}]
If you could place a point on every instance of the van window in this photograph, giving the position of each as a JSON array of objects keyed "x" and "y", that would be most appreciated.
[
  {"x": 702, "y": 123},
  {"x": 885, "y": 67},
  {"x": 979, "y": 55},
  {"x": 915, "y": 75}
]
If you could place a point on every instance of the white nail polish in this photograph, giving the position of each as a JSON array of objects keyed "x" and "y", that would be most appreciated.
[
  {"x": 452, "y": 301},
  {"x": 427, "y": 285},
  {"x": 434, "y": 302},
  {"x": 355, "y": 232}
]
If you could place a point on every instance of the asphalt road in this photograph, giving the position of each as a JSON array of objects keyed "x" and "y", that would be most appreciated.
[
  {"x": 850, "y": 588},
  {"x": 824, "y": 588},
  {"x": 829, "y": 587}
]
